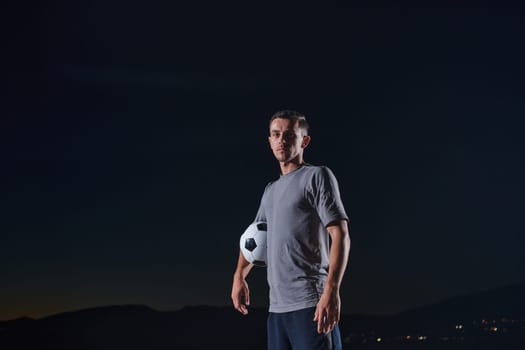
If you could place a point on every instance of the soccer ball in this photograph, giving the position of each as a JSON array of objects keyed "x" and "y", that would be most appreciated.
[{"x": 253, "y": 243}]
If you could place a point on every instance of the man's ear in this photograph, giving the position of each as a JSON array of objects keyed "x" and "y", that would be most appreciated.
[{"x": 306, "y": 141}]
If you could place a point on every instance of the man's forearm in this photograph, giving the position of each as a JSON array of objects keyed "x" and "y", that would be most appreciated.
[
  {"x": 339, "y": 252},
  {"x": 243, "y": 267}
]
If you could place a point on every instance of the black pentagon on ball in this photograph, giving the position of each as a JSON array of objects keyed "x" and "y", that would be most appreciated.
[
  {"x": 262, "y": 226},
  {"x": 250, "y": 244},
  {"x": 259, "y": 263}
]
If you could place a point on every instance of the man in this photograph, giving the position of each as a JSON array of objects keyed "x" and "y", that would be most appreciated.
[{"x": 308, "y": 245}]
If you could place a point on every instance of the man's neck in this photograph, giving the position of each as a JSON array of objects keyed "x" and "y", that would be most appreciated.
[{"x": 288, "y": 167}]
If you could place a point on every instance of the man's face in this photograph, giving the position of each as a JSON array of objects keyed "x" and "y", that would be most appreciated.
[{"x": 286, "y": 140}]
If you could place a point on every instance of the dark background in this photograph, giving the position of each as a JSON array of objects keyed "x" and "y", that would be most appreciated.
[{"x": 135, "y": 153}]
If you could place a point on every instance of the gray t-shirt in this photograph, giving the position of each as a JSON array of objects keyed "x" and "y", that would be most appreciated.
[{"x": 297, "y": 208}]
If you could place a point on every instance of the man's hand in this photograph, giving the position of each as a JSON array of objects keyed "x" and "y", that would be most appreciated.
[
  {"x": 240, "y": 295},
  {"x": 327, "y": 312},
  {"x": 328, "y": 308}
]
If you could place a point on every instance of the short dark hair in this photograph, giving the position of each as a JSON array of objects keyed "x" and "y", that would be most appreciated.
[{"x": 292, "y": 116}]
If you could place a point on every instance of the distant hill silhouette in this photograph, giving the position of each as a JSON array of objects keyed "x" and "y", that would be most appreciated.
[
  {"x": 138, "y": 327},
  {"x": 494, "y": 319},
  {"x": 496, "y": 303},
  {"x": 133, "y": 327}
]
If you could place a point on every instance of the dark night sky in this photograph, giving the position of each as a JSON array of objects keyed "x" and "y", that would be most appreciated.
[{"x": 135, "y": 152}]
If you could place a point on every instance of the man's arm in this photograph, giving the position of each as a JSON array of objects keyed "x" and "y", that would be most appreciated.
[
  {"x": 240, "y": 292},
  {"x": 328, "y": 309}
]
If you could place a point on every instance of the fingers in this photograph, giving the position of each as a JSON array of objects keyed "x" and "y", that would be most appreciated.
[
  {"x": 242, "y": 309},
  {"x": 326, "y": 321},
  {"x": 321, "y": 322},
  {"x": 331, "y": 326},
  {"x": 239, "y": 306},
  {"x": 246, "y": 296},
  {"x": 324, "y": 325},
  {"x": 241, "y": 300}
]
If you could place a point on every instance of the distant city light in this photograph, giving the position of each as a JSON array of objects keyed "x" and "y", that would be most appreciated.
[{"x": 461, "y": 331}]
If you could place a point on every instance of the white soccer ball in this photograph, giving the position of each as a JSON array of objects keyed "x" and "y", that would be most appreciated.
[{"x": 253, "y": 243}]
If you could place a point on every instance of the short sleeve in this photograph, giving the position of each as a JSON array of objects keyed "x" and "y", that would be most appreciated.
[
  {"x": 324, "y": 196},
  {"x": 261, "y": 214}
]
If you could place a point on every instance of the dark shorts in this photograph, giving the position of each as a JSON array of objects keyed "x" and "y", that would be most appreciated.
[{"x": 296, "y": 330}]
